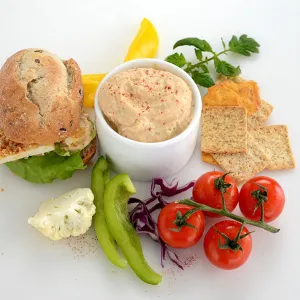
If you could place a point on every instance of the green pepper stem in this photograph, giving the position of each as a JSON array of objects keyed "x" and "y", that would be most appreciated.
[{"x": 229, "y": 215}]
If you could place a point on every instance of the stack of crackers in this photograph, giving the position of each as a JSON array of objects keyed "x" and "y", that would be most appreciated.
[{"x": 234, "y": 135}]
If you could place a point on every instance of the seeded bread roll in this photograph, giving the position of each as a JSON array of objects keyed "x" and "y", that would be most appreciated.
[{"x": 41, "y": 97}]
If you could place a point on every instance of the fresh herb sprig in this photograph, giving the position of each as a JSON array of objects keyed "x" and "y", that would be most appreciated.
[{"x": 199, "y": 71}]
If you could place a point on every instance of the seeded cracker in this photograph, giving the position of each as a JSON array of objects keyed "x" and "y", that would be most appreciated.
[
  {"x": 255, "y": 121},
  {"x": 244, "y": 166},
  {"x": 224, "y": 129},
  {"x": 275, "y": 142},
  {"x": 258, "y": 119}
]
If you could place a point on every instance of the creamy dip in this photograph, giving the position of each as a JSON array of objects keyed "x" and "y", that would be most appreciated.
[{"x": 147, "y": 105}]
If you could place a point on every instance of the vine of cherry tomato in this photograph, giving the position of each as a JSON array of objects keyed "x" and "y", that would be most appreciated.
[{"x": 228, "y": 243}]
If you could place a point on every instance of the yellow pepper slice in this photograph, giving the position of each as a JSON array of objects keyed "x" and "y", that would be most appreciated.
[
  {"x": 97, "y": 77},
  {"x": 145, "y": 43},
  {"x": 90, "y": 85}
]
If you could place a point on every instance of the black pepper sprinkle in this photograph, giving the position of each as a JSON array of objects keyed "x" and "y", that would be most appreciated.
[
  {"x": 39, "y": 51},
  {"x": 63, "y": 129},
  {"x": 80, "y": 92},
  {"x": 37, "y": 61}
]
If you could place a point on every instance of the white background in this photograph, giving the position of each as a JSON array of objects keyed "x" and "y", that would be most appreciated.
[{"x": 97, "y": 34}]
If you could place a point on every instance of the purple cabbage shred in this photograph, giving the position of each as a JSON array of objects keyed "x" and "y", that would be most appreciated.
[{"x": 142, "y": 219}]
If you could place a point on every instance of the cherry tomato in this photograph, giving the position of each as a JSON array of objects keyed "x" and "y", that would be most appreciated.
[
  {"x": 205, "y": 192},
  {"x": 187, "y": 236},
  {"x": 227, "y": 259},
  {"x": 274, "y": 204}
]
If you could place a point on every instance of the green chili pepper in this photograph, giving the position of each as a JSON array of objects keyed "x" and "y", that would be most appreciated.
[
  {"x": 116, "y": 195},
  {"x": 100, "y": 177}
]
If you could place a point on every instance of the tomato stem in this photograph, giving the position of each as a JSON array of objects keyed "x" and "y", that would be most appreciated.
[
  {"x": 239, "y": 233},
  {"x": 221, "y": 184},
  {"x": 228, "y": 214},
  {"x": 223, "y": 203},
  {"x": 234, "y": 244},
  {"x": 262, "y": 217},
  {"x": 181, "y": 220},
  {"x": 261, "y": 195},
  {"x": 229, "y": 243}
]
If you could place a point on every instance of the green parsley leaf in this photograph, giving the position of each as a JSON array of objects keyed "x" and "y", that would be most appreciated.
[
  {"x": 198, "y": 54},
  {"x": 203, "y": 79},
  {"x": 199, "y": 44},
  {"x": 244, "y": 45},
  {"x": 188, "y": 64},
  {"x": 204, "y": 68},
  {"x": 199, "y": 71},
  {"x": 225, "y": 68},
  {"x": 177, "y": 59},
  {"x": 223, "y": 43}
]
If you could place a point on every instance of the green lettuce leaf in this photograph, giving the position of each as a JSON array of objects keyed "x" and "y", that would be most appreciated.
[
  {"x": 44, "y": 169},
  {"x": 59, "y": 149}
]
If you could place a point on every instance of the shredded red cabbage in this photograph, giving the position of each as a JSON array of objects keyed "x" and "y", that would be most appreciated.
[{"x": 141, "y": 217}]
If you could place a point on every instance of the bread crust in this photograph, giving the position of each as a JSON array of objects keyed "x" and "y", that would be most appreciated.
[{"x": 41, "y": 97}]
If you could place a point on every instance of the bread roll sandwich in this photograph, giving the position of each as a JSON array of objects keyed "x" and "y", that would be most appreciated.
[{"x": 44, "y": 133}]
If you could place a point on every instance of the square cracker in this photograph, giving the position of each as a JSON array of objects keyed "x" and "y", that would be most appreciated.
[
  {"x": 275, "y": 141},
  {"x": 208, "y": 158},
  {"x": 255, "y": 121},
  {"x": 219, "y": 95},
  {"x": 248, "y": 92},
  {"x": 250, "y": 96},
  {"x": 224, "y": 129},
  {"x": 258, "y": 119},
  {"x": 244, "y": 166}
]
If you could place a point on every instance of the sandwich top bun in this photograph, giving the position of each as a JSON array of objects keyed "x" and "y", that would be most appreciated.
[{"x": 41, "y": 97}]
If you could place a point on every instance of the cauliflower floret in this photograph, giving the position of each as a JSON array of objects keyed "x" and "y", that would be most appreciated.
[{"x": 69, "y": 214}]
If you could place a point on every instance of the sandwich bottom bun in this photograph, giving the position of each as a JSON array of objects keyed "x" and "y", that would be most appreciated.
[{"x": 88, "y": 152}]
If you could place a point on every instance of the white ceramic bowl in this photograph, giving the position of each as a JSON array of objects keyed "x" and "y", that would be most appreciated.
[{"x": 143, "y": 161}]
